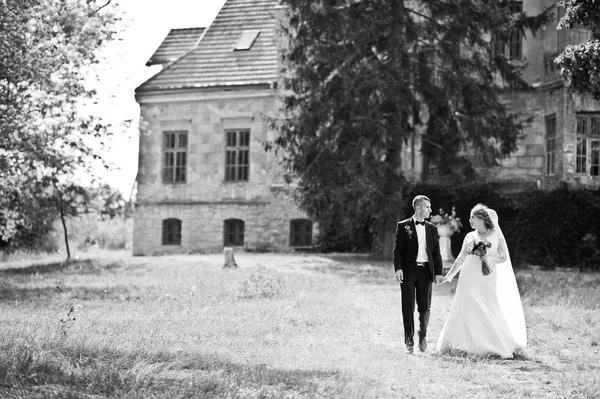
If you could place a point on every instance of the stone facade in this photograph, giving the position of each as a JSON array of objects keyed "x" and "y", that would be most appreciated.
[
  {"x": 527, "y": 166},
  {"x": 205, "y": 200},
  {"x": 550, "y": 100}
]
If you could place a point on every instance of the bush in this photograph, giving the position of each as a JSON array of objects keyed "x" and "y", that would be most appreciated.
[
  {"x": 541, "y": 227},
  {"x": 262, "y": 283},
  {"x": 88, "y": 231}
]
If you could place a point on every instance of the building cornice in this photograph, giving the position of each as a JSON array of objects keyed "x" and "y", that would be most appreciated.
[
  {"x": 204, "y": 94},
  {"x": 193, "y": 202},
  {"x": 549, "y": 85}
]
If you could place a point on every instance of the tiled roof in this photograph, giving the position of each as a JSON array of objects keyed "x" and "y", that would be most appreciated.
[
  {"x": 213, "y": 62},
  {"x": 177, "y": 42}
]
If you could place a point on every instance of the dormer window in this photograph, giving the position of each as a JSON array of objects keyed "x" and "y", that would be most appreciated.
[{"x": 246, "y": 40}]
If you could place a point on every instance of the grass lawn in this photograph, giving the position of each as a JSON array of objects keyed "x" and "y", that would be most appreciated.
[{"x": 294, "y": 326}]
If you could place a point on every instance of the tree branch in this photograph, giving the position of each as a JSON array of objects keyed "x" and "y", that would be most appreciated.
[{"x": 100, "y": 8}]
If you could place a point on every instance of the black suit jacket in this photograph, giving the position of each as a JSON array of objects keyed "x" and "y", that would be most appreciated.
[{"x": 407, "y": 246}]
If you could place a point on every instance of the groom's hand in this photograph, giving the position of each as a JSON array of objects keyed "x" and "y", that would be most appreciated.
[
  {"x": 399, "y": 275},
  {"x": 439, "y": 279}
]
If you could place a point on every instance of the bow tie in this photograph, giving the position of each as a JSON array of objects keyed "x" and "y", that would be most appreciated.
[{"x": 417, "y": 222}]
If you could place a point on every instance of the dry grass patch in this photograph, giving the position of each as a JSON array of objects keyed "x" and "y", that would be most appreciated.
[{"x": 279, "y": 326}]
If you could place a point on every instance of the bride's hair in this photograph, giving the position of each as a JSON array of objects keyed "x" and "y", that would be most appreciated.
[{"x": 480, "y": 211}]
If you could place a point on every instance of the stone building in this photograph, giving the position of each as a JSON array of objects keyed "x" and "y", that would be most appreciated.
[
  {"x": 562, "y": 143},
  {"x": 205, "y": 182}
]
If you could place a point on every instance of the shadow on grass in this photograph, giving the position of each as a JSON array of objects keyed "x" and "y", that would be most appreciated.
[
  {"x": 85, "y": 266},
  {"x": 456, "y": 355},
  {"x": 9, "y": 292},
  {"x": 364, "y": 268},
  {"x": 145, "y": 374}
]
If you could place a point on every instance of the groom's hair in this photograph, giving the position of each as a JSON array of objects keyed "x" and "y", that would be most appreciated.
[
  {"x": 481, "y": 212},
  {"x": 419, "y": 199}
]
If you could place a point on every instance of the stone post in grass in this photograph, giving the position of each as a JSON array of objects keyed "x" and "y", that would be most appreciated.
[{"x": 229, "y": 259}]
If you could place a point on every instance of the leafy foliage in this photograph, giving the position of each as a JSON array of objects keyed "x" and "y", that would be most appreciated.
[
  {"x": 363, "y": 77},
  {"x": 565, "y": 217},
  {"x": 581, "y": 63},
  {"x": 46, "y": 49}
]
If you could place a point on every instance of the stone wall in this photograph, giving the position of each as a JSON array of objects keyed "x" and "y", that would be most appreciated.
[
  {"x": 266, "y": 225},
  {"x": 205, "y": 200},
  {"x": 206, "y": 116}
]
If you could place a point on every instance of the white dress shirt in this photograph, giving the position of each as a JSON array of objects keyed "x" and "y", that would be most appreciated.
[{"x": 422, "y": 239}]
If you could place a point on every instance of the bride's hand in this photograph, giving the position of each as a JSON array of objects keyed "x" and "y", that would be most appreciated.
[{"x": 443, "y": 280}]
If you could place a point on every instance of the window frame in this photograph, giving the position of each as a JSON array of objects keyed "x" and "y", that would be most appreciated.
[
  {"x": 246, "y": 39},
  {"x": 550, "y": 158},
  {"x": 174, "y": 156},
  {"x": 301, "y": 232},
  {"x": 512, "y": 47},
  {"x": 587, "y": 144},
  {"x": 237, "y": 156},
  {"x": 233, "y": 232},
  {"x": 171, "y": 227}
]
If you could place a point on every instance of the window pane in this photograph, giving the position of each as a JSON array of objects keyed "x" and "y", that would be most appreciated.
[
  {"x": 234, "y": 232},
  {"x": 515, "y": 45},
  {"x": 174, "y": 157},
  {"x": 595, "y": 157},
  {"x": 237, "y": 155},
  {"x": 182, "y": 140},
  {"x": 300, "y": 232},
  {"x": 595, "y": 126},
  {"x": 551, "y": 126},
  {"x": 231, "y": 139},
  {"x": 171, "y": 234},
  {"x": 581, "y": 125},
  {"x": 246, "y": 39},
  {"x": 581, "y": 155}
]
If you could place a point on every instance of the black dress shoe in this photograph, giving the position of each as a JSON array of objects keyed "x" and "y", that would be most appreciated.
[
  {"x": 422, "y": 344},
  {"x": 410, "y": 349}
]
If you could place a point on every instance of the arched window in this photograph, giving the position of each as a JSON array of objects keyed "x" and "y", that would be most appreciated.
[
  {"x": 171, "y": 232},
  {"x": 233, "y": 233},
  {"x": 300, "y": 233}
]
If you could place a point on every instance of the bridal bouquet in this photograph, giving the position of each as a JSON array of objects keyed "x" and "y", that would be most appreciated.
[{"x": 479, "y": 249}]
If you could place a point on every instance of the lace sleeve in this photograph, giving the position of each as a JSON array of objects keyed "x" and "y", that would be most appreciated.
[
  {"x": 458, "y": 262},
  {"x": 502, "y": 253}
]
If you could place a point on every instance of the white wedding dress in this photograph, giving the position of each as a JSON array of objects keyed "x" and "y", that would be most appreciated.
[{"x": 486, "y": 317}]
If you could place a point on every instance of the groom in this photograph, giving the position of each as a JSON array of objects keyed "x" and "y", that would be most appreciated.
[{"x": 418, "y": 263}]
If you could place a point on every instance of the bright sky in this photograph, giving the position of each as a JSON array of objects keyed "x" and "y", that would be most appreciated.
[{"x": 147, "y": 24}]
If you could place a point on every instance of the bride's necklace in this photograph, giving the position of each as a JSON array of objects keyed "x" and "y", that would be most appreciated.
[{"x": 484, "y": 234}]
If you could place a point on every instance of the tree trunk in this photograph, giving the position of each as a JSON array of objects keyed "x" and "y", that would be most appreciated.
[
  {"x": 389, "y": 235},
  {"x": 229, "y": 259},
  {"x": 64, "y": 223}
]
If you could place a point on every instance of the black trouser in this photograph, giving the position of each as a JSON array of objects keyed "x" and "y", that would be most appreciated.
[{"x": 416, "y": 284}]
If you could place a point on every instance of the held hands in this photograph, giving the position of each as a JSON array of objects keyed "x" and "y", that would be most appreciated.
[{"x": 439, "y": 280}]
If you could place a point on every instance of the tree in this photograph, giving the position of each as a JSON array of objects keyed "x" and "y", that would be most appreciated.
[
  {"x": 46, "y": 134},
  {"x": 364, "y": 76},
  {"x": 580, "y": 63}
]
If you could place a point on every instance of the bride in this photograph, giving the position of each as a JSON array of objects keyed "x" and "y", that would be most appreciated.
[{"x": 486, "y": 317}]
